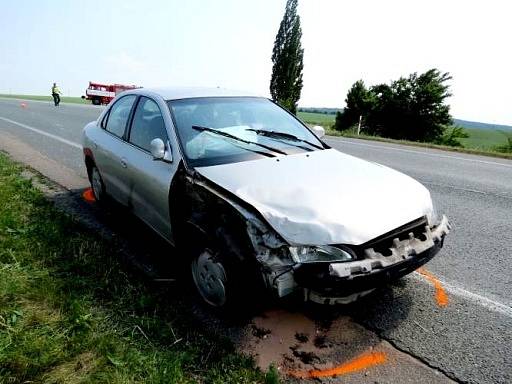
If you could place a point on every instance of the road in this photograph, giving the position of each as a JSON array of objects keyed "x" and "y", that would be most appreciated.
[{"x": 470, "y": 339}]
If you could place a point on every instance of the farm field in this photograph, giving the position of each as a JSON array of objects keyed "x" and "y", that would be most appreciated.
[{"x": 479, "y": 138}]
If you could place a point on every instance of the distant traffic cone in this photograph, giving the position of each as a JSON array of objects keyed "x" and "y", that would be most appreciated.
[{"x": 23, "y": 105}]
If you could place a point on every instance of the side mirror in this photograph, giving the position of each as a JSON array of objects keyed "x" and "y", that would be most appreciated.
[
  {"x": 157, "y": 149},
  {"x": 318, "y": 131},
  {"x": 159, "y": 152}
]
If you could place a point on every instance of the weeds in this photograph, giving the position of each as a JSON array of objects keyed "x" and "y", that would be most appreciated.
[{"x": 71, "y": 312}]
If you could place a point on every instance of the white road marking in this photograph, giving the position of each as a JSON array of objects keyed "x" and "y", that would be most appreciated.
[
  {"x": 483, "y": 301},
  {"x": 55, "y": 137},
  {"x": 385, "y": 147}
]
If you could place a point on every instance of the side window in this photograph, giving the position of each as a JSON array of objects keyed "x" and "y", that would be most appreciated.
[
  {"x": 148, "y": 124},
  {"x": 118, "y": 115}
]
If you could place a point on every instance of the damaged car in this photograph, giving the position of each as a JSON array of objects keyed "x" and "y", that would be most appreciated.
[{"x": 254, "y": 200}]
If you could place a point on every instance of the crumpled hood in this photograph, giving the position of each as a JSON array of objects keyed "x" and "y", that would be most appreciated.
[{"x": 324, "y": 197}]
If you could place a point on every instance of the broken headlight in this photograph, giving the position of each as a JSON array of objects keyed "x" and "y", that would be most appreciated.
[{"x": 318, "y": 254}]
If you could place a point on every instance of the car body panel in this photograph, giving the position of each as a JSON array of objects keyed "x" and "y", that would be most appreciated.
[
  {"x": 325, "y": 197},
  {"x": 131, "y": 175}
]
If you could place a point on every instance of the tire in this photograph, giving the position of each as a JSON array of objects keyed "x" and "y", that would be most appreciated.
[
  {"x": 98, "y": 188},
  {"x": 225, "y": 283},
  {"x": 96, "y": 101},
  {"x": 210, "y": 278}
]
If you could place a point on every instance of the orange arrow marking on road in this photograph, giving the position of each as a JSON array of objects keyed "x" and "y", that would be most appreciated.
[
  {"x": 441, "y": 296},
  {"x": 88, "y": 195},
  {"x": 361, "y": 362}
]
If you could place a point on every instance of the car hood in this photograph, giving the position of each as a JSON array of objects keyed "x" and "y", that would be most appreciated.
[{"x": 325, "y": 197}]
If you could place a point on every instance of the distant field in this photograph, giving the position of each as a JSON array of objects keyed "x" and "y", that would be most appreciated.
[
  {"x": 479, "y": 138},
  {"x": 64, "y": 99},
  {"x": 483, "y": 138},
  {"x": 317, "y": 118}
]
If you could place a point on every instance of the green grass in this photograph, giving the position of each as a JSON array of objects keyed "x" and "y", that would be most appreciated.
[
  {"x": 64, "y": 99},
  {"x": 483, "y": 138},
  {"x": 317, "y": 118},
  {"x": 72, "y": 312}
]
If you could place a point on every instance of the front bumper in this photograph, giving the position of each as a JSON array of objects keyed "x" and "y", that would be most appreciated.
[{"x": 331, "y": 283}]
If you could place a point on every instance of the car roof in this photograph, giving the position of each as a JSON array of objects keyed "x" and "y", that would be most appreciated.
[{"x": 175, "y": 93}]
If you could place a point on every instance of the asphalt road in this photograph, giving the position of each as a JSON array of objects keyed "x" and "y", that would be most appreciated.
[{"x": 470, "y": 339}]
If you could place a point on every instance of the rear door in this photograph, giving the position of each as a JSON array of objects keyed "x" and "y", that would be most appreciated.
[
  {"x": 110, "y": 156},
  {"x": 150, "y": 179}
]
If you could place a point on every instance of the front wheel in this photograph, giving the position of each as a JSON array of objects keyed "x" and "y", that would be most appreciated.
[
  {"x": 227, "y": 284},
  {"x": 210, "y": 278}
]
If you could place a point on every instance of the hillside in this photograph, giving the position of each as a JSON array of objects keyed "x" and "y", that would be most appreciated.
[{"x": 478, "y": 125}]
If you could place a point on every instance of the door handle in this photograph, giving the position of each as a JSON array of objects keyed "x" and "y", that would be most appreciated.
[{"x": 124, "y": 163}]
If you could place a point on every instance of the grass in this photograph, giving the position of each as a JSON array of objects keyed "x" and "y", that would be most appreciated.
[
  {"x": 313, "y": 118},
  {"x": 479, "y": 142},
  {"x": 483, "y": 138},
  {"x": 64, "y": 99},
  {"x": 72, "y": 312}
]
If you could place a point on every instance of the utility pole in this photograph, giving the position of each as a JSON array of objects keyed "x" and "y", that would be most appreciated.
[{"x": 359, "y": 125}]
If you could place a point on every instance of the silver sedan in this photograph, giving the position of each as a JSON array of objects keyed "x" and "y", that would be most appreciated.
[{"x": 254, "y": 200}]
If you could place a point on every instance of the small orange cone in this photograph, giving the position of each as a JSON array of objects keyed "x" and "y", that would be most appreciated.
[
  {"x": 88, "y": 195},
  {"x": 23, "y": 105}
]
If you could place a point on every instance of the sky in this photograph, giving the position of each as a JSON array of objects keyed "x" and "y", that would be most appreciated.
[{"x": 228, "y": 43}]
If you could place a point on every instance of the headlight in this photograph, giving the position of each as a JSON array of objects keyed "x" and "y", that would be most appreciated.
[
  {"x": 433, "y": 217},
  {"x": 324, "y": 253}
]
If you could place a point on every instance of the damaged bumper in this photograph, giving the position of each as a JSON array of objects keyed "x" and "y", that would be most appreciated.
[{"x": 344, "y": 282}]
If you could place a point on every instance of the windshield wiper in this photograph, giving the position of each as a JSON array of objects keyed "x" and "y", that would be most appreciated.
[
  {"x": 230, "y": 136},
  {"x": 283, "y": 135}
]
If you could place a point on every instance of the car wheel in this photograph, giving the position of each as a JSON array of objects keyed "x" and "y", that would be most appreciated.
[
  {"x": 229, "y": 286},
  {"x": 210, "y": 278},
  {"x": 98, "y": 188}
]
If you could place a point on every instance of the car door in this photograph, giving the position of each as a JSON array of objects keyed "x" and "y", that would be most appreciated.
[
  {"x": 110, "y": 156},
  {"x": 150, "y": 179}
]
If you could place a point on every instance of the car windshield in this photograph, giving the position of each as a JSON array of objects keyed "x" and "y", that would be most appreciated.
[{"x": 220, "y": 130}]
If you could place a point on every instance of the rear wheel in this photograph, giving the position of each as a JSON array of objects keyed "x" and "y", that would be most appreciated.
[
  {"x": 96, "y": 101},
  {"x": 98, "y": 188}
]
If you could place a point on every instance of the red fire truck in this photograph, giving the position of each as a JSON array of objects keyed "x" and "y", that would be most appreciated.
[{"x": 104, "y": 93}]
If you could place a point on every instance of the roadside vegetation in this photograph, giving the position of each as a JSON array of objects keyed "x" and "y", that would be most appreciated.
[
  {"x": 64, "y": 99},
  {"x": 479, "y": 141},
  {"x": 71, "y": 311}
]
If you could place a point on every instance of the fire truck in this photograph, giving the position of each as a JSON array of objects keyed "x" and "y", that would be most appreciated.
[{"x": 104, "y": 93}]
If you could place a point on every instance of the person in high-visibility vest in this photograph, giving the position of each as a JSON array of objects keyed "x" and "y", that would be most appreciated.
[{"x": 56, "y": 94}]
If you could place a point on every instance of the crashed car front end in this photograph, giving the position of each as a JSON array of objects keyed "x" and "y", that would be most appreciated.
[{"x": 340, "y": 274}]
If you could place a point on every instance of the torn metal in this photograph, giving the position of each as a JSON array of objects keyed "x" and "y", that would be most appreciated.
[{"x": 400, "y": 251}]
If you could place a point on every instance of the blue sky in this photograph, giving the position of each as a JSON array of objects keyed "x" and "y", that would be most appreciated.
[{"x": 228, "y": 43}]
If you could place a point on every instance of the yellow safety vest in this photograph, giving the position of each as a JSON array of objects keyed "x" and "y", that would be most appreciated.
[{"x": 55, "y": 90}]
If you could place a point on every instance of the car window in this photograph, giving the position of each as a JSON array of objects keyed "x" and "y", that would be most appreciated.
[
  {"x": 118, "y": 115},
  {"x": 148, "y": 124}
]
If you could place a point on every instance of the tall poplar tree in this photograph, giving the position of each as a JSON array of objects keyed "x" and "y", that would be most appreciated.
[{"x": 287, "y": 56}]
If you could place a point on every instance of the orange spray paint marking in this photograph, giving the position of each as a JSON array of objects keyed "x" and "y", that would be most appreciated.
[
  {"x": 88, "y": 195},
  {"x": 441, "y": 296},
  {"x": 359, "y": 363}
]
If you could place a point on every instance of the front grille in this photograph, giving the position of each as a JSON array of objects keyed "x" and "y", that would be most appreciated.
[{"x": 383, "y": 243}]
